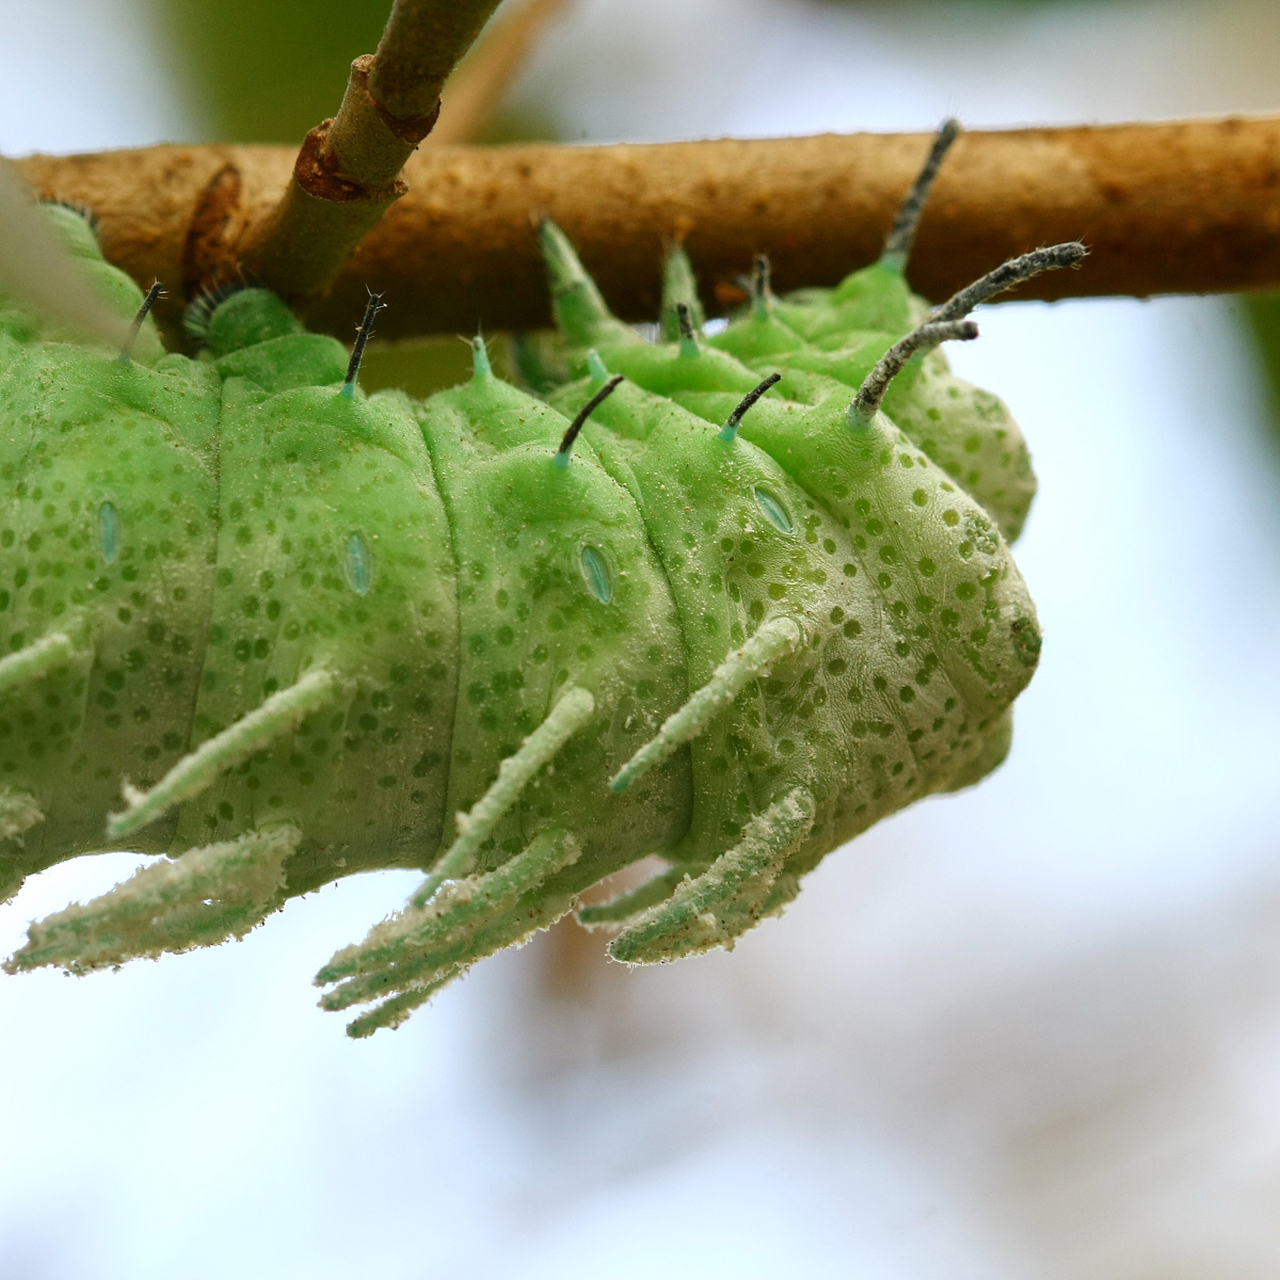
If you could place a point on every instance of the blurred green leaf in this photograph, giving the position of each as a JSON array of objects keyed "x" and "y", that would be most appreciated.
[
  {"x": 1261, "y": 312},
  {"x": 267, "y": 70}
]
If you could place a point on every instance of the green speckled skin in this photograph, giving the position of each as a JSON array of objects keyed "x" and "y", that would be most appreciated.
[
  {"x": 334, "y": 551},
  {"x": 824, "y": 345},
  {"x": 446, "y": 592},
  {"x": 108, "y": 518},
  {"x": 531, "y": 624}
]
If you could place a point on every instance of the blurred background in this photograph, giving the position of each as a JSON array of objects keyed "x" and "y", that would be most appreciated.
[{"x": 1030, "y": 1032}]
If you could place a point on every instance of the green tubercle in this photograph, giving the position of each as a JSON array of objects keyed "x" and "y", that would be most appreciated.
[
  {"x": 481, "y": 369},
  {"x": 679, "y": 288},
  {"x": 595, "y": 367},
  {"x": 729, "y": 432},
  {"x": 580, "y": 311}
]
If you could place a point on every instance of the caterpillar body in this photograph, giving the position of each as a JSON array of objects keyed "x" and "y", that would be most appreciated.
[{"x": 319, "y": 633}]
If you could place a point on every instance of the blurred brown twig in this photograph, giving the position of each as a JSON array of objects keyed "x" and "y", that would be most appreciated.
[{"x": 1186, "y": 207}]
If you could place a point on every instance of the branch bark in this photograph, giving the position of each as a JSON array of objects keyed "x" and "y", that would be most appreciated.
[{"x": 1185, "y": 207}]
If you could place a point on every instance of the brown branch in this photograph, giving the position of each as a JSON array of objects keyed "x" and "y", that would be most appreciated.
[
  {"x": 1165, "y": 208},
  {"x": 347, "y": 173}
]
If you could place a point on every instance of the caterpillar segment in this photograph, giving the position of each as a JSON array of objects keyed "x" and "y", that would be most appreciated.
[
  {"x": 886, "y": 712},
  {"x": 561, "y": 602},
  {"x": 431, "y": 634},
  {"x": 280, "y": 714},
  {"x": 107, "y": 515},
  {"x": 329, "y": 686}
]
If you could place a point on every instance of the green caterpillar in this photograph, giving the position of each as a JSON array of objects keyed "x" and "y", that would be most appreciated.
[{"x": 320, "y": 633}]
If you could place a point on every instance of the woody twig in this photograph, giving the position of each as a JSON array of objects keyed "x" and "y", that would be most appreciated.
[{"x": 348, "y": 171}]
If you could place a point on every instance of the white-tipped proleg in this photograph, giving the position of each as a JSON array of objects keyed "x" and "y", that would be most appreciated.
[
  {"x": 204, "y": 896},
  {"x": 19, "y": 812},
  {"x": 626, "y": 905},
  {"x": 572, "y": 710},
  {"x": 420, "y": 941},
  {"x": 391, "y": 1013},
  {"x": 775, "y": 639},
  {"x": 36, "y": 661},
  {"x": 688, "y": 920},
  {"x": 279, "y": 714}
]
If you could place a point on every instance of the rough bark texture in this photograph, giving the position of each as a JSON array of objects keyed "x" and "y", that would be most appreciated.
[{"x": 1165, "y": 208}]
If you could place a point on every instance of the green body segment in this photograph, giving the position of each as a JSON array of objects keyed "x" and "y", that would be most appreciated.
[
  {"x": 108, "y": 527},
  {"x": 917, "y": 624},
  {"x": 824, "y": 347},
  {"x": 333, "y": 553},
  {"x": 340, "y": 633},
  {"x": 558, "y": 586}
]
